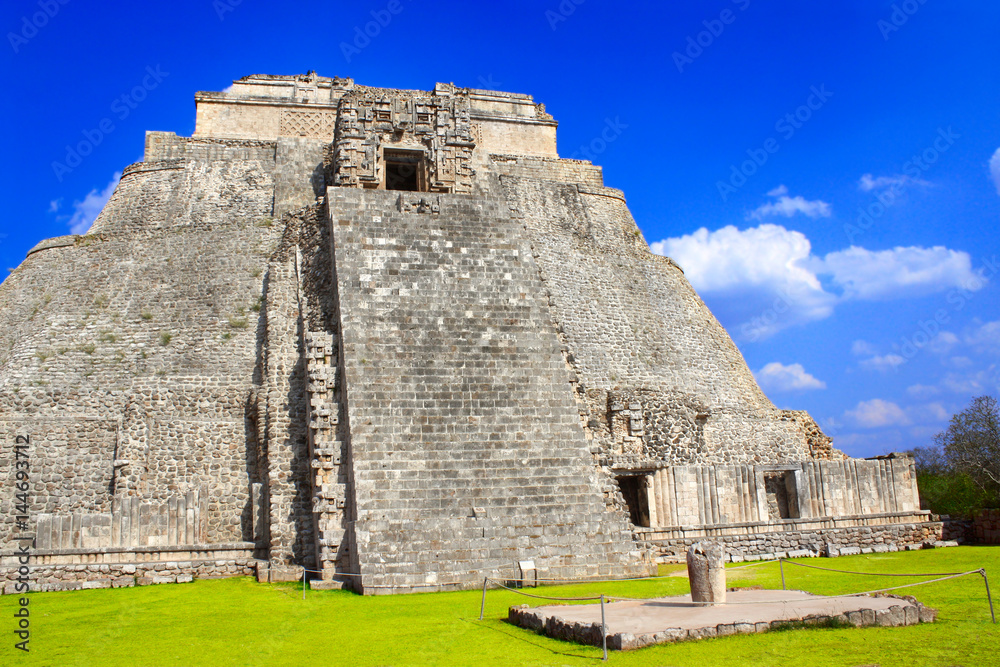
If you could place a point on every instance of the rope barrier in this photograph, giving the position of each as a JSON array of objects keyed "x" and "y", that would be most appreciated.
[
  {"x": 592, "y": 580},
  {"x": 693, "y": 603},
  {"x": 352, "y": 574},
  {"x": 942, "y": 576},
  {"x": 542, "y": 597},
  {"x": 763, "y": 562},
  {"x": 628, "y": 599},
  {"x": 827, "y": 597},
  {"x": 873, "y": 574},
  {"x": 584, "y": 580}
]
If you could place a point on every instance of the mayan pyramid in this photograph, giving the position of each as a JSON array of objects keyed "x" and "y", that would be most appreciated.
[{"x": 392, "y": 338}]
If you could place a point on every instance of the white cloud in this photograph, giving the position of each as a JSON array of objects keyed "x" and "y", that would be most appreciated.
[
  {"x": 981, "y": 379},
  {"x": 765, "y": 278},
  {"x": 86, "y": 211},
  {"x": 902, "y": 271},
  {"x": 943, "y": 342},
  {"x": 995, "y": 169},
  {"x": 861, "y": 348},
  {"x": 977, "y": 379},
  {"x": 756, "y": 276},
  {"x": 985, "y": 337},
  {"x": 930, "y": 412},
  {"x": 877, "y": 413},
  {"x": 924, "y": 433},
  {"x": 867, "y": 183},
  {"x": 922, "y": 391},
  {"x": 778, "y": 377},
  {"x": 730, "y": 257},
  {"x": 962, "y": 384},
  {"x": 54, "y": 205},
  {"x": 789, "y": 206},
  {"x": 883, "y": 363}
]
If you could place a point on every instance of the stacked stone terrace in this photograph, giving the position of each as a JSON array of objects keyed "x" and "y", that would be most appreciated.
[{"x": 391, "y": 337}]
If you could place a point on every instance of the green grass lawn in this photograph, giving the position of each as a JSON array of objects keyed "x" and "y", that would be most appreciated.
[{"x": 241, "y": 622}]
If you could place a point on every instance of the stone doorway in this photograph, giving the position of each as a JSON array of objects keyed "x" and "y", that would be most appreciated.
[
  {"x": 404, "y": 170},
  {"x": 635, "y": 490},
  {"x": 780, "y": 490}
]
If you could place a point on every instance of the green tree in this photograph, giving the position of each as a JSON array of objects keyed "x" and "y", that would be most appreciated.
[{"x": 971, "y": 444}]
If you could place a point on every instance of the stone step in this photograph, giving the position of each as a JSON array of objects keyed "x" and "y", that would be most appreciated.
[{"x": 460, "y": 393}]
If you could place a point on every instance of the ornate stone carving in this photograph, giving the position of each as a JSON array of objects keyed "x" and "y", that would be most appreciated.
[
  {"x": 320, "y": 124},
  {"x": 329, "y": 494},
  {"x": 418, "y": 204},
  {"x": 438, "y": 125}
]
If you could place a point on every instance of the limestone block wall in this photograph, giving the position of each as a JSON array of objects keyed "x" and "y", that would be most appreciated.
[
  {"x": 216, "y": 117},
  {"x": 124, "y": 569},
  {"x": 466, "y": 447},
  {"x": 511, "y": 123},
  {"x": 71, "y": 461},
  {"x": 548, "y": 168},
  {"x": 159, "y": 193},
  {"x": 265, "y": 107},
  {"x": 702, "y": 496},
  {"x": 515, "y": 136},
  {"x": 128, "y": 354},
  {"x": 633, "y": 323},
  {"x": 986, "y": 527},
  {"x": 299, "y": 298},
  {"x": 182, "y": 520},
  {"x": 299, "y": 174},
  {"x": 875, "y": 534},
  {"x": 166, "y": 146}
]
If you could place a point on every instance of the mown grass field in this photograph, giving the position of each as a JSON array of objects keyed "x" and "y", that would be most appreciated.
[{"x": 241, "y": 622}]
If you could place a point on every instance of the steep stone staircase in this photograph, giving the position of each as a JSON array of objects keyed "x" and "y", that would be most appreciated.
[{"x": 466, "y": 448}]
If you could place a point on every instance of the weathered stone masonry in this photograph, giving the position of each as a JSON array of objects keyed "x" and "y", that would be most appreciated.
[{"x": 390, "y": 336}]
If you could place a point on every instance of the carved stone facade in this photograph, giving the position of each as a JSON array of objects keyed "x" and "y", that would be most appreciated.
[
  {"x": 435, "y": 130},
  {"x": 327, "y": 460},
  {"x": 316, "y": 124}
]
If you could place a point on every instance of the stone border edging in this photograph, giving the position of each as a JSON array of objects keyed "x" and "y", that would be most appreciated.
[{"x": 912, "y": 613}]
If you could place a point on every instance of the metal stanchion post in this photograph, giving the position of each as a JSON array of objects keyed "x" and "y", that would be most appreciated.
[
  {"x": 303, "y": 583},
  {"x": 604, "y": 630},
  {"x": 482, "y": 606},
  {"x": 989, "y": 597},
  {"x": 781, "y": 566}
]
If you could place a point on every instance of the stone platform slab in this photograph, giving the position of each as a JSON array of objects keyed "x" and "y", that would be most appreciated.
[{"x": 634, "y": 624}]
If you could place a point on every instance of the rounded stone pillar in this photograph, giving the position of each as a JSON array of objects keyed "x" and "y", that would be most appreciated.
[{"x": 707, "y": 572}]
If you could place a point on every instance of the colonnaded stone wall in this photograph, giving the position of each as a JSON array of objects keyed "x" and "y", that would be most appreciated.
[{"x": 390, "y": 337}]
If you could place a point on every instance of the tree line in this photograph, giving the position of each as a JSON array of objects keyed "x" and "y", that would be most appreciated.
[{"x": 960, "y": 472}]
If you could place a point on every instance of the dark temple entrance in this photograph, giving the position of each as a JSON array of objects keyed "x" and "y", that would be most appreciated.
[
  {"x": 404, "y": 171},
  {"x": 634, "y": 489}
]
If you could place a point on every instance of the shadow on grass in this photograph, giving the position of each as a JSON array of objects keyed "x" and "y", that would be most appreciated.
[{"x": 519, "y": 634}]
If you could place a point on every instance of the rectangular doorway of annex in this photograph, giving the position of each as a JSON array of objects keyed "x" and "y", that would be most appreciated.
[
  {"x": 404, "y": 170},
  {"x": 635, "y": 490},
  {"x": 781, "y": 493}
]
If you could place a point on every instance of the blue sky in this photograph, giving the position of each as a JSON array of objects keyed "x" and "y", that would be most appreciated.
[{"x": 821, "y": 170}]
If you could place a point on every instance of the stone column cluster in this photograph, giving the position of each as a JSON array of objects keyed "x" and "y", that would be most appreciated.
[{"x": 329, "y": 493}]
